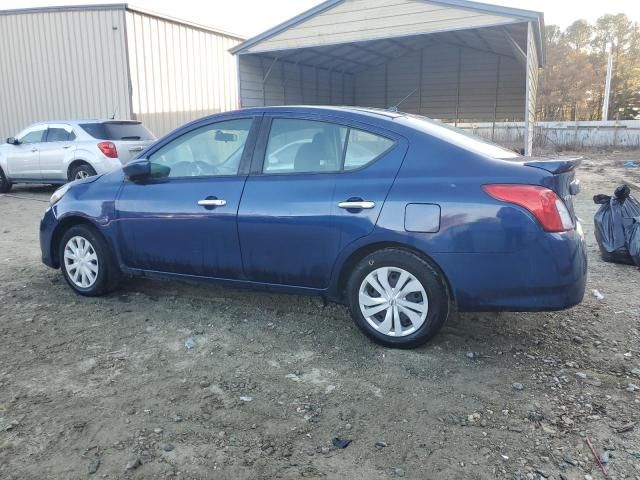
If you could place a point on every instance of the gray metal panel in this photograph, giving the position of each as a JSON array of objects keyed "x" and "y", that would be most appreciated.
[
  {"x": 531, "y": 91},
  {"x": 362, "y": 20},
  {"x": 178, "y": 72},
  {"x": 455, "y": 84},
  {"x": 61, "y": 65},
  {"x": 527, "y": 15}
]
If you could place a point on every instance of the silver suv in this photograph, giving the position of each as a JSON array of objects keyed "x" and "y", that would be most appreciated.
[{"x": 58, "y": 152}]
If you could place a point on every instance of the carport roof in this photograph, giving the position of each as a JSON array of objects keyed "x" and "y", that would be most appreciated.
[{"x": 511, "y": 15}]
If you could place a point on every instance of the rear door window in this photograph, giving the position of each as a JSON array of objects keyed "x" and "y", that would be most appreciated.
[
  {"x": 309, "y": 146},
  {"x": 363, "y": 148},
  {"x": 59, "y": 134},
  {"x": 118, "y": 131},
  {"x": 304, "y": 146}
]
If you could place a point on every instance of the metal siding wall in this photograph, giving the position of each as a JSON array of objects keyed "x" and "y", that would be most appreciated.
[
  {"x": 572, "y": 135},
  {"x": 456, "y": 84},
  {"x": 264, "y": 81},
  {"x": 359, "y": 20},
  {"x": 62, "y": 65},
  {"x": 178, "y": 72}
]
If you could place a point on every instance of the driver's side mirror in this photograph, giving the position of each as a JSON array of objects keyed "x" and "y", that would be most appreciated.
[
  {"x": 137, "y": 169},
  {"x": 142, "y": 169},
  {"x": 13, "y": 141}
]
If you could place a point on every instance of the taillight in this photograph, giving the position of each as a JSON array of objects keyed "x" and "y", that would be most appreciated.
[
  {"x": 543, "y": 203},
  {"x": 108, "y": 149}
]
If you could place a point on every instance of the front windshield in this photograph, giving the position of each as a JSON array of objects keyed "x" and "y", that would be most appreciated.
[{"x": 461, "y": 138}]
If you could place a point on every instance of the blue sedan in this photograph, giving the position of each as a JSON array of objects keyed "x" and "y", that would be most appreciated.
[{"x": 397, "y": 216}]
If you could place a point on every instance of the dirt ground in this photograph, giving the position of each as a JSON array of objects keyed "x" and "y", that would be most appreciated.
[{"x": 107, "y": 385}]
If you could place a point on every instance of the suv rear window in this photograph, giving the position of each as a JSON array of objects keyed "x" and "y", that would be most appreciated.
[{"x": 118, "y": 131}]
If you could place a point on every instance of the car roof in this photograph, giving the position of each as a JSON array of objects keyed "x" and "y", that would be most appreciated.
[
  {"x": 320, "y": 109},
  {"x": 78, "y": 122}
]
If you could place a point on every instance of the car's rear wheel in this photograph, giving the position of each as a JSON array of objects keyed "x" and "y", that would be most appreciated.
[
  {"x": 5, "y": 184},
  {"x": 86, "y": 261},
  {"x": 397, "y": 298},
  {"x": 83, "y": 170}
]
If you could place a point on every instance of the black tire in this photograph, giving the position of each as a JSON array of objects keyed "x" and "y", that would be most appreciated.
[
  {"x": 108, "y": 274},
  {"x": 83, "y": 169},
  {"x": 5, "y": 184},
  {"x": 430, "y": 279}
]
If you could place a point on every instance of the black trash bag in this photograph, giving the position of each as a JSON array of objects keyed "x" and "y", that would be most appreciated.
[
  {"x": 612, "y": 224},
  {"x": 632, "y": 228}
]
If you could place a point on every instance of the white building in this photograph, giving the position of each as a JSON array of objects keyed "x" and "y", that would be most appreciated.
[
  {"x": 454, "y": 60},
  {"x": 98, "y": 61}
]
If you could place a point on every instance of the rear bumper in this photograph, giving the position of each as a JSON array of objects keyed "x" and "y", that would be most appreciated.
[
  {"x": 549, "y": 276},
  {"x": 47, "y": 227}
]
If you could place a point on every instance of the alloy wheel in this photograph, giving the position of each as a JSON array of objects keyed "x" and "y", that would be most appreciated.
[
  {"x": 393, "y": 301},
  {"x": 80, "y": 174}
]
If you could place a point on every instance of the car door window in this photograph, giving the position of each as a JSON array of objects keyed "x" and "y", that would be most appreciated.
[
  {"x": 214, "y": 149},
  {"x": 34, "y": 136},
  {"x": 307, "y": 146},
  {"x": 304, "y": 146},
  {"x": 59, "y": 134},
  {"x": 363, "y": 148}
]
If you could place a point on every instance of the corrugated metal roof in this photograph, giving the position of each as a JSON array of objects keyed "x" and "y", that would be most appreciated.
[
  {"x": 120, "y": 6},
  {"x": 537, "y": 18}
]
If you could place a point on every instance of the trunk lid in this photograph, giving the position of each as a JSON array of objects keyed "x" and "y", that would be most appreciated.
[
  {"x": 129, "y": 149},
  {"x": 562, "y": 181},
  {"x": 129, "y": 136}
]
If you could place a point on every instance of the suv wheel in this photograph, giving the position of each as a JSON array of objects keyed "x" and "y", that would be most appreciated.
[
  {"x": 397, "y": 299},
  {"x": 5, "y": 184},
  {"x": 82, "y": 171},
  {"x": 86, "y": 261}
]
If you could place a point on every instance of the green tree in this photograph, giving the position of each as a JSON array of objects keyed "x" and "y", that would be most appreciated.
[
  {"x": 578, "y": 35},
  {"x": 572, "y": 82}
]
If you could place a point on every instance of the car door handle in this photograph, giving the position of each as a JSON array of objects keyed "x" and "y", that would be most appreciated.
[
  {"x": 34, "y": 149},
  {"x": 357, "y": 205},
  {"x": 66, "y": 146},
  {"x": 212, "y": 202}
]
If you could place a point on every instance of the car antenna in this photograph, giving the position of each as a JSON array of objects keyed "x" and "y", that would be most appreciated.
[
  {"x": 395, "y": 107},
  {"x": 113, "y": 115}
]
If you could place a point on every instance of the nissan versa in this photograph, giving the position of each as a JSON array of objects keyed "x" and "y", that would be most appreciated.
[{"x": 397, "y": 216}]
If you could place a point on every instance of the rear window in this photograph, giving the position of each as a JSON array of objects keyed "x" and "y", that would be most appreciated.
[
  {"x": 118, "y": 131},
  {"x": 463, "y": 139}
]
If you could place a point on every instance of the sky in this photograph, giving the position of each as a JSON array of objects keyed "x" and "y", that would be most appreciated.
[{"x": 250, "y": 17}]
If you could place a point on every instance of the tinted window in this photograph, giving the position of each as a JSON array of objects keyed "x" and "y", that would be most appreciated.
[
  {"x": 118, "y": 131},
  {"x": 59, "y": 135},
  {"x": 34, "y": 136},
  {"x": 304, "y": 146},
  {"x": 214, "y": 149},
  {"x": 363, "y": 148}
]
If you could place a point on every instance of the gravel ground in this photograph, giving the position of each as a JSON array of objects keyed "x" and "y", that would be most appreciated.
[{"x": 106, "y": 387}]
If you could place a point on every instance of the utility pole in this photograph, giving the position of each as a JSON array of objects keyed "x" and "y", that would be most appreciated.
[{"x": 607, "y": 85}]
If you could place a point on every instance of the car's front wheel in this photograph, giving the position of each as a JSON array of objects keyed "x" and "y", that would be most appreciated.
[
  {"x": 5, "y": 184},
  {"x": 86, "y": 261},
  {"x": 397, "y": 298}
]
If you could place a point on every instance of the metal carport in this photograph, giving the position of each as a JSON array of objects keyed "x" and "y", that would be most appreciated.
[{"x": 453, "y": 60}]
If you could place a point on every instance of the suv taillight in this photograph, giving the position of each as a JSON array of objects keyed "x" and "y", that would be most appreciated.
[
  {"x": 108, "y": 149},
  {"x": 543, "y": 203}
]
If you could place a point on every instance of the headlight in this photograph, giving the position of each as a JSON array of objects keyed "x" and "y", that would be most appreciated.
[{"x": 58, "y": 194}]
